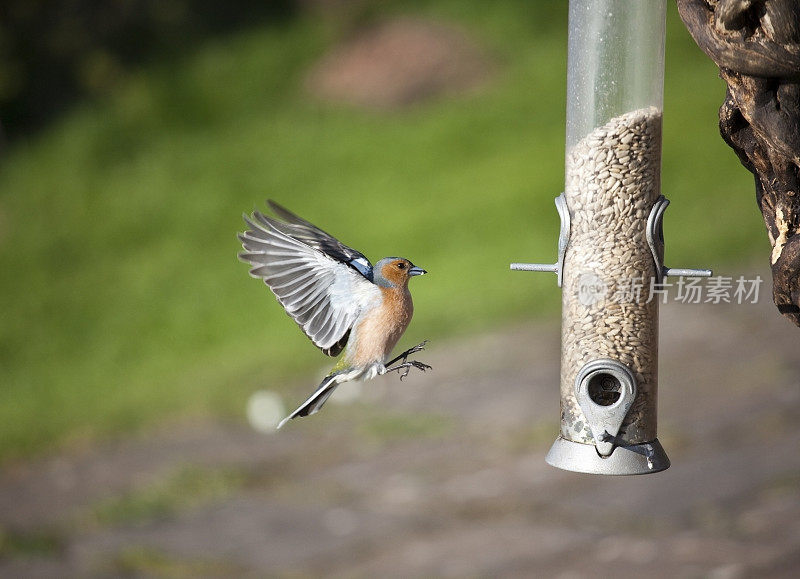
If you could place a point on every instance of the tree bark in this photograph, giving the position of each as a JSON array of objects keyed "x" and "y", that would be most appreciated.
[{"x": 756, "y": 44}]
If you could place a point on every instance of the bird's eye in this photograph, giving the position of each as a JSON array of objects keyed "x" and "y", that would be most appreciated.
[{"x": 401, "y": 265}]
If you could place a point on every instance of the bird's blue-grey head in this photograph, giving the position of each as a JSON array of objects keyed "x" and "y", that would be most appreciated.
[{"x": 394, "y": 272}]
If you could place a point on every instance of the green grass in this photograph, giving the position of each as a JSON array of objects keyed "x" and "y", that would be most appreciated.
[
  {"x": 29, "y": 544},
  {"x": 123, "y": 300}
]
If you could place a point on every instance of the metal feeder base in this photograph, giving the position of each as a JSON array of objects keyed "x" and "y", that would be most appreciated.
[{"x": 635, "y": 459}]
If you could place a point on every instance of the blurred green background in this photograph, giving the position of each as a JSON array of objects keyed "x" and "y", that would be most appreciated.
[{"x": 124, "y": 303}]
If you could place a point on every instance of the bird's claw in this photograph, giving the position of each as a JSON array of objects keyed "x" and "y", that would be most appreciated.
[
  {"x": 406, "y": 368},
  {"x": 405, "y": 365}
]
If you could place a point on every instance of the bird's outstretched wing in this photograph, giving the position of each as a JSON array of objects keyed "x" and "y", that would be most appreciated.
[
  {"x": 308, "y": 233},
  {"x": 322, "y": 293}
]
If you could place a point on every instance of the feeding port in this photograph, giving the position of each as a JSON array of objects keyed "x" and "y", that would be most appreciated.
[{"x": 611, "y": 245}]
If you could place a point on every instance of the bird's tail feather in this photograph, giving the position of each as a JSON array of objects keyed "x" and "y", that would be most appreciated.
[{"x": 315, "y": 401}]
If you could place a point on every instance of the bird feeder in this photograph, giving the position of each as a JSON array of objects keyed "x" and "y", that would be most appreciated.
[{"x": 611, "y": 248}]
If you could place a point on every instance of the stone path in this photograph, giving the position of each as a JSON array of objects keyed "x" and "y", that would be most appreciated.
[{"x": 444, "y": 475}]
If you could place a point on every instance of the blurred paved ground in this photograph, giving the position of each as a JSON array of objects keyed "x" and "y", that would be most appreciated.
[{"x": 444, "y": 475}]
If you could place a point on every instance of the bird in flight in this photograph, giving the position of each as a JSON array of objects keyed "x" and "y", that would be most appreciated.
[{"x": 344, "y": 304}]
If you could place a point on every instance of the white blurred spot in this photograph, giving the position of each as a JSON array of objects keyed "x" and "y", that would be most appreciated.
[
  {"x": 347, "y": 392},
  {"x": 617, "y": 548},
  {"x": 265, "y": 410},
  {"x": 729, "y": 571},
  {"x": 340, "y": 522},
  {"x": 401, "y": 490},
  {"x": 610, "y": 549}
]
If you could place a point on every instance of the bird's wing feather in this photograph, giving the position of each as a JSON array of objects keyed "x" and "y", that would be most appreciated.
[
  {"x": 323, "y": 295},
  {"x": 315, "y": 401},
  {"x": 308, "y": 233}
]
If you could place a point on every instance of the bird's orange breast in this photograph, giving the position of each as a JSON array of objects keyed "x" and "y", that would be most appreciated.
[{"x": 378, "y": 333}]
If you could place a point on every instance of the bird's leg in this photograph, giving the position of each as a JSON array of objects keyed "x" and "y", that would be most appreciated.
[
  {"x": 404, "y": 356},
  {"x": 406, "y": 365}
]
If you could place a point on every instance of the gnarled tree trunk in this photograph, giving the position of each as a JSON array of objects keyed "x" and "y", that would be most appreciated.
[{"x": 756, "y": 44}]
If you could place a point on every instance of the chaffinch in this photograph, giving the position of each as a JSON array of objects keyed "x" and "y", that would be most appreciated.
[{"x": 343, "y": 303}]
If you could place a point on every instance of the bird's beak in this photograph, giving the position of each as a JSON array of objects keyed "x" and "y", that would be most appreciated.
[{"x": 416, "y": 271}]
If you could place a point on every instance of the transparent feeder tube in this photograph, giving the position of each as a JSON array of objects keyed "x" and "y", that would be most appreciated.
[{"x": 609, "y": 353}]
